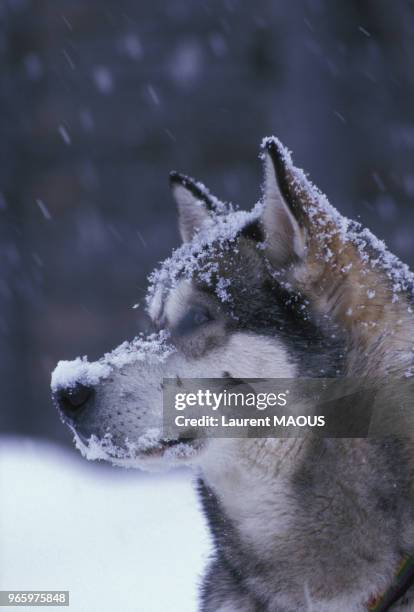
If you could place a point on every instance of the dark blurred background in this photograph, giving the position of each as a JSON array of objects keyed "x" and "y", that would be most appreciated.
[{"x": 100, "y": 100}]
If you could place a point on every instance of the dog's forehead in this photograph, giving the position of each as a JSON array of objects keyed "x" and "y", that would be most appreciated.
[
  {"x": 216, "y": 266},
  {"x": 207, "y": 259},
  {"x": 224, "y": 272},
  {"x": 169, "y": 278}
]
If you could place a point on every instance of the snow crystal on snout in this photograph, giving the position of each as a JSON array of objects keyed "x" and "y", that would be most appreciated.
[
  {"x": 151, "y": 349},
  {"x": 218, "y": 233},
  {"x": 68, "y": 374},
  {"x": 104, "y": 449},
  {"x": 132, "y": 455}
]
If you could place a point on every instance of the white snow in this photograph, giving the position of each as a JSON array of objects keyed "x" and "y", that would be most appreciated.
[
  {"x": 103, "y": 79},
  {"x": 131, "y": 46},
  {"x": 69, "y": 373},
  {"x": 219, "y": 232},
  {"x": 34, "y": 66},
  {"x": 364, "y": 31},
  {"x": 44, "y": 209},
  {"x": 153, "y": 94},
  {"x": 104, "y": 449},
  {"x": 116, "y": 539},
  {"x": 186, "y": 63},
  {"x": 86, "y": 119},
  {"x": 80, "y": 371},
  {"x": 195, "y": 255},
  {"x": 218, "y": 44},
  {"x": 372, "y": 250},
  {"x": 68, "y": 59},
  {"x": 64, "y": 134}
]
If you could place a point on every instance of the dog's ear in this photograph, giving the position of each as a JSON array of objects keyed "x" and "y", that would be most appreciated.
[
  {"x": 194, "y": 202},
  {"x": 285, "y": 237}
]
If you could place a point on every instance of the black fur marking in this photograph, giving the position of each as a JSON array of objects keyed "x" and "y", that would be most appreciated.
[
  {"x": 230, "y": 555},
  {"x": 176, "y": 178},
  {"x": 253, "y": 231},
  {"x": 277, "y": 157},
  {"x": 263, "y": 306}
]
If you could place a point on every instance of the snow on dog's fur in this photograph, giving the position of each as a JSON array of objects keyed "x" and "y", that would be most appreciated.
[{"x": 290, "y": 289}]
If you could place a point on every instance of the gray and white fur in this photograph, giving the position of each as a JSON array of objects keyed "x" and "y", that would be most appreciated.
[{"x": 295, "y": 291}]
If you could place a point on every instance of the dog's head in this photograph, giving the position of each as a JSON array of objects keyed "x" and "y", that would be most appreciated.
[{"x": 247, "y": 295}]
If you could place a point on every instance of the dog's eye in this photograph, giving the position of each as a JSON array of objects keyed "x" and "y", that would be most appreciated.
[{"x": 195, "y": 317}]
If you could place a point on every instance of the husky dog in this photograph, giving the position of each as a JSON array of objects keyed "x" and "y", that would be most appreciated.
[{"x": 290, "y": 289}]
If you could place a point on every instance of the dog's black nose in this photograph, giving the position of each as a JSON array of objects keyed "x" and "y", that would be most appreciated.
[{"x": 73, "y": 399}]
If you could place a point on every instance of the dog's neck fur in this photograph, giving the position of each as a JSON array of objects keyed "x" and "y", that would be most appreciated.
[
  {"x": 311, "y": 491},
  {"x": 332, "y": 538}
]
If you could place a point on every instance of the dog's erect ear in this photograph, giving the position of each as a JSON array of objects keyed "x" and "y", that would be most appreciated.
[
  {"x": 194, "y": 201},
  {"x": 285, "y": 238}
]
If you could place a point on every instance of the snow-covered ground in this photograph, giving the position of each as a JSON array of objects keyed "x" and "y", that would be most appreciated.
[{"x": 118, "y": 540}]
